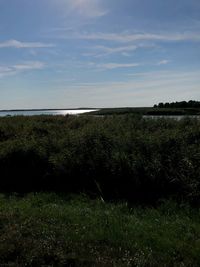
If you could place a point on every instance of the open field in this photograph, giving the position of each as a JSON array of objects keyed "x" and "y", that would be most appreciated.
[{"x": 52, "y": 230}]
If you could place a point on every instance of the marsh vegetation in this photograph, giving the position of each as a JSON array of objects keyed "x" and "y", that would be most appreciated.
[
  {"x": 118, "y": 157},
  {"x": 135, "y": 186}
]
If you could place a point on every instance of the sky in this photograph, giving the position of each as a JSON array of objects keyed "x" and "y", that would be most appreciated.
[{"x": 98, "y": 53}]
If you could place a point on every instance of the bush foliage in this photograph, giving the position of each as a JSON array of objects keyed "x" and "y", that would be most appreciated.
[{"x": 115, "y": 157}]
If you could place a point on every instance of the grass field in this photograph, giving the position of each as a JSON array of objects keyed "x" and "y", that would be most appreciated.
[{"x": 51, "y": 230}]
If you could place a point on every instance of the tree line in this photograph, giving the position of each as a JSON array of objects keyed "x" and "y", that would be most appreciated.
[{"x": 181, "y": 104}]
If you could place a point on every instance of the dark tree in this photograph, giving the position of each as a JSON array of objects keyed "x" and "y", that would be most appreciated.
[{"x": 181, "y": 104}]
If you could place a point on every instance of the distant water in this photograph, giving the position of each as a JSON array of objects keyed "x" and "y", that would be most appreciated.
[
  {"x": 44, "y": 112},
  {"x": 175, "y": 117}
]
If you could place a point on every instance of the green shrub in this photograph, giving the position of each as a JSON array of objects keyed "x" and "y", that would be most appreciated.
[{"x": 116, "y": 157}]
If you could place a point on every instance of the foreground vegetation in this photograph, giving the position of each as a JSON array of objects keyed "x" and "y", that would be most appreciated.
[
  {"x": 50, "y": 230},
  {"x": 142, "y": 175},
  {"x": 115, "y": 157}
]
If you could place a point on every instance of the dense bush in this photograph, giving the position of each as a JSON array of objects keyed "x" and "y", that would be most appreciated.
[{"x": 116, "y": 157}]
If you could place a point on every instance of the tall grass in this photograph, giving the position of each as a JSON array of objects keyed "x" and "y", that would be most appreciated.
[{"x": 116, "y": 157}]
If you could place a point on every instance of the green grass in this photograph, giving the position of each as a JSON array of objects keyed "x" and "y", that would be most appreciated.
[
  {"x": 51, "y": 230},
  {"x": 111, "y": 157}
]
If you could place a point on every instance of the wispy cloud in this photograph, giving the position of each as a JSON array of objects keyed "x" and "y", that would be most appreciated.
[
  {"x": 30, "y": 65},
  {"x": 105, "y": 50},
  {"x": 111, "y": 66},
  {"x": 20, "y": 45},
  {"x": 125, "y": 50},
  {"x": 125, "y": 38},
  {"x": 17, "y": 68},
  {"x": 90, "y": 8},
  {"x": 84, "y": 8},
  {"x": 143, "y": 89},
  {"x": 157, "y": 75},
  {"x": 101, "y": 50},
  {"x": 163, "y": 62}
]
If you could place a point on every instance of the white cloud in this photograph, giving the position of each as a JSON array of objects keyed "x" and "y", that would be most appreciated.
[
  {"x": 110, "y": 66},
  {"x": 90, "y": 8},
  {"x": 161, "y": 75},
  {"x": 20, "y": 45},
  {"x": 143, "y": 89},
  {"x": 125, "y": 54},
  {"x": 124, "y": 37},
  {"x": 163, "y": 62},
  {"x": 30, "y": 65},
  {"x": 100, "y": 51},
  {"x": 4, "y": 71},
  {"x": 113, "y": 50},
  {"x": 25, "y": 66}
]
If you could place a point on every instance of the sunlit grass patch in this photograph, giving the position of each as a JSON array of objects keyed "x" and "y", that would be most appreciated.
[{"x": 47, "y": 229}]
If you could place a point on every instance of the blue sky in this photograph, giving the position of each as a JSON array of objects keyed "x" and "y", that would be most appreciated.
[{"x": 98, "y": 53}]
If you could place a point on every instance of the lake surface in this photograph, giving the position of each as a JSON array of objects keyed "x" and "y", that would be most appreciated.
[
  {"x": 175, "y": 117},
  {"x": 64, "y": 112},
  {"x": 44, "y": 112}
]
